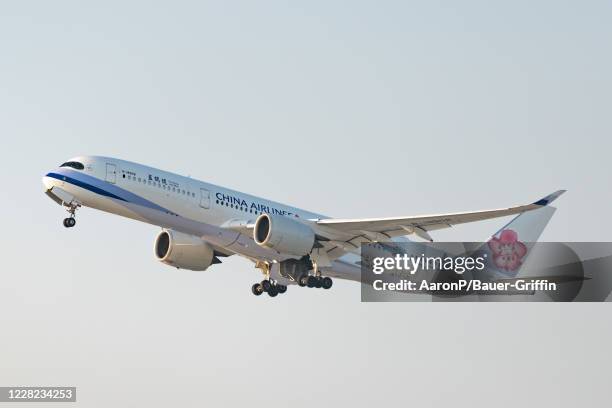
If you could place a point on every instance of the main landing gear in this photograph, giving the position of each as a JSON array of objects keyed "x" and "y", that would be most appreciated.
[
  {"x": 311, "y": 281},
  {"x": 267, "y": 285},
  {"x": 71, "y": 221},
  {"x": 316, "y": 280},
  {"x": 273, "y": 288}
]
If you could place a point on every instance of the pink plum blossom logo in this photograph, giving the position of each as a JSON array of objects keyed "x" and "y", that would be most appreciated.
[{"x": 508, "y": 251}]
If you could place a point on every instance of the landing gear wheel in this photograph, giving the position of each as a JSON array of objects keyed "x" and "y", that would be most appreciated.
[
  {"x": 327, "y": 283},
  {"x": 257, "y": 289},
  {"x": 273, "y": 291},
  {"x": 266, "y": 285},
  {"x": 303, "y": 280},
  {"x": 281, "y": 289},
  {"x": 318, "y": 282},
  {"x": 311, "y": 282},
  {"x": 69, "y": 222}
]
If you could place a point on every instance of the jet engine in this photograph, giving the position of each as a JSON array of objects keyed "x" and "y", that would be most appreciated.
[
  {"x": 283, "y": 234},
  {"x": 183, "y": 251}
]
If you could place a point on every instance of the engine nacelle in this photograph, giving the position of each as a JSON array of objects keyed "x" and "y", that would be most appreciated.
[
  {"x": 283, "y": 234},
  {"x": 183, "y": 251}
]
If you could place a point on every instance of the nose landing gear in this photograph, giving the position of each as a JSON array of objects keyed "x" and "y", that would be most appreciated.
[{"x": 71, "y": 221}]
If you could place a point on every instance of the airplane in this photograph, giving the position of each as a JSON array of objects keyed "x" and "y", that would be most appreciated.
[{"x": 202, "y": 222}]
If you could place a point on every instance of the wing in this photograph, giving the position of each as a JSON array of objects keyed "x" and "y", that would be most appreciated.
[{"x": 346, "y": 235}]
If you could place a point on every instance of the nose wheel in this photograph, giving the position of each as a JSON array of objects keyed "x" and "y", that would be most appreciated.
[{"x": 69, "y": 222}]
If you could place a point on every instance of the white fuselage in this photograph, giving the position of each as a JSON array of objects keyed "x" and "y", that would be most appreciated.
[{"x": 179, "y": 203}]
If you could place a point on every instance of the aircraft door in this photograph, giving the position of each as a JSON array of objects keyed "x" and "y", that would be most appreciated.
[
  {"x": 111, "y": 173},
  {"x": 204, "y": 198}
]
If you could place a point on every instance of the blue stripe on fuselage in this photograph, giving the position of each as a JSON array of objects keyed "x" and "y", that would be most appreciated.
[
  {"x": 84, "y": 185},
  {"x": 103, "y": 188}
]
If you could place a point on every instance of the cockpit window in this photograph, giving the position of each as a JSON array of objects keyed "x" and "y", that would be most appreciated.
[{"x": 74, "y": 165}]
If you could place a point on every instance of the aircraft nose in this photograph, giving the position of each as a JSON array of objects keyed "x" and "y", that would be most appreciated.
[{"x": 48, "y": 182}]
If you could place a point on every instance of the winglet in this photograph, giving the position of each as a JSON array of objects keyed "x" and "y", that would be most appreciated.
[{"x": 549, "y": 198}]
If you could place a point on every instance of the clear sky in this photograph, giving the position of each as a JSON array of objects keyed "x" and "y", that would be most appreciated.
[{"x": 351, "y": 109}]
